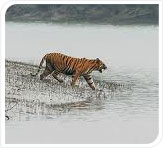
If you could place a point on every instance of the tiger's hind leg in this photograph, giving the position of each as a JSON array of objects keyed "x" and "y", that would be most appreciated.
[
  {"x": 46, "y": 72},
  {"x": 89, "y": 80},
  {"x": 55, "y": 75}
]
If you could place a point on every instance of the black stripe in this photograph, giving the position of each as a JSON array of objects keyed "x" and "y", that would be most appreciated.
[
  {"x": 64, "y": 58},
  {"x": 91, "y": 83},
  {"x": 67, "y": 60},
  {"x": 92, "y": 68},
  {"x": 68, "y": 69},
  {"x": 89, "y": 78},
  {"x": 64, "y": 69},
  {"x": 70, "y": 61},
  {"x": 75, "y": 61}
]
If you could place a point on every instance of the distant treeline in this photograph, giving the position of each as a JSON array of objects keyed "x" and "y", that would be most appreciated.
[{"x": 85, "y": 13}]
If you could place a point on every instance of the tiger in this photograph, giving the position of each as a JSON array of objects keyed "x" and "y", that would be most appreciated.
[{"x": 57, "y": 63}]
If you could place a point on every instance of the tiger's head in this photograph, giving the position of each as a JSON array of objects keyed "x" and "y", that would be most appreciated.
[{"x": 100, "y": 65}]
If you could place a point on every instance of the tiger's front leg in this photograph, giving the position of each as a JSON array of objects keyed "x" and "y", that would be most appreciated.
[{"x": 89, "y": 80}]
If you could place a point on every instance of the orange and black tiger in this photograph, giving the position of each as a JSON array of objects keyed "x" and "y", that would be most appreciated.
[{"x": 57, "y": 63}]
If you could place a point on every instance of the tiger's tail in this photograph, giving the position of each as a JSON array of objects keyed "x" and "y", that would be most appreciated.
[{"x": 41, "y": 63}]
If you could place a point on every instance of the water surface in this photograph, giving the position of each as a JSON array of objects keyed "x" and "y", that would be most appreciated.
[{"x": 128, "y": 115}]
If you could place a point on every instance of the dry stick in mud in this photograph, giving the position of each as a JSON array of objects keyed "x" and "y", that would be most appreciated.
[{"x": 6, "y": 116}]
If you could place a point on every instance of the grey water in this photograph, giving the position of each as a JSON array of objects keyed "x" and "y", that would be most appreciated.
[{"x": 131, "y": 55}]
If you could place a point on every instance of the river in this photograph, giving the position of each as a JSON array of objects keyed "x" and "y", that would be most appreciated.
[{"x": 131, "y": 55}]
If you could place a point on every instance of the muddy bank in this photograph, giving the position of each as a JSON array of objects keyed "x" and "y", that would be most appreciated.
[{"x": 27, "y": 94}]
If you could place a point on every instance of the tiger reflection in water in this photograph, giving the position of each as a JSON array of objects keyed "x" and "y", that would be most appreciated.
[{"x": 57, "y": 63}]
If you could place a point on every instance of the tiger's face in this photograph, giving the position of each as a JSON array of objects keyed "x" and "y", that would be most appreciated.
[{"x": 101, "y": 66}]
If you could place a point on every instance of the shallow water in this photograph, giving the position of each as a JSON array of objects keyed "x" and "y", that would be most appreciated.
[{"x": 129, "y": 114}]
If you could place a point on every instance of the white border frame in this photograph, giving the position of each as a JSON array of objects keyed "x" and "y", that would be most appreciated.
[{"x": 7, "y": 4}]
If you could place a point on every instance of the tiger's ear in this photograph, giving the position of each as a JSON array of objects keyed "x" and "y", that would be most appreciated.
[{"x": 97, "y": 60}]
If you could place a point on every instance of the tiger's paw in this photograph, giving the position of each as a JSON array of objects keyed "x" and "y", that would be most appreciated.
[{"x": 93, "y": 88}]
